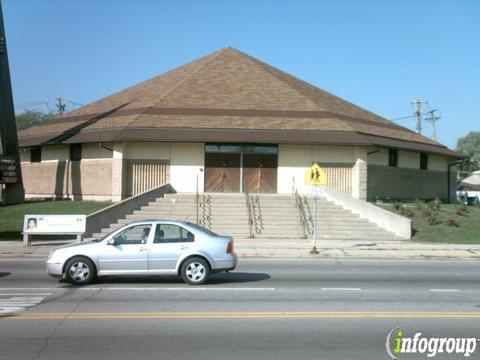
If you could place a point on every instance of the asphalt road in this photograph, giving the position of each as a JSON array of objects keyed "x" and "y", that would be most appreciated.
[{"x": 266, "y": 309}]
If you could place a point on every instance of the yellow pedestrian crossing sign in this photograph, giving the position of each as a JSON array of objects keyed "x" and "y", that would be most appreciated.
[{"x": 316, "y": 176}]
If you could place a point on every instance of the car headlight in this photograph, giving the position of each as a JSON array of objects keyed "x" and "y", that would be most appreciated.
[{"x": 50, "y": 255}]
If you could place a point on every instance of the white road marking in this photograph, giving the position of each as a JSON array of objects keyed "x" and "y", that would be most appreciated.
[
  {"x": 14, "y": 302},
  {"x": 37, "y": 259},
  {"x": 27, "y": 294},
  {"x": 444, "y": 290},
  {"x": 29, "y": 289},
  {"x": 341, "y": 289}
]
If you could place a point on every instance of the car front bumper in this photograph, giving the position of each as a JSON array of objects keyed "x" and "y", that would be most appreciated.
[{"x": 54, "y": 269}]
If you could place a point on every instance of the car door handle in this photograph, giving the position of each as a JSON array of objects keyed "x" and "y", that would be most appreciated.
[
  {"x": 183, "y": 247},
  {"x": 143, "y": 249}
]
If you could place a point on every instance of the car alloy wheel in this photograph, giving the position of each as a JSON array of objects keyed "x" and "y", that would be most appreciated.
[
  {"x": 80, "y": 271},
  {"x": 195, "y": 271}
]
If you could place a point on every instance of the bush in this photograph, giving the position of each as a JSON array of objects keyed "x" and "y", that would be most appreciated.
[
  {"x": 419, "y": 205},
  {"x": 435, "y": 204},
  {"x": 406, "y": 211},
  {"x": 397, "y": 206},
  {"x": 461, "y": 210},
  {"x": 433, "y": 218},
  {"x": 452, "y": 221},
  {"x": 426, "y": 211}
]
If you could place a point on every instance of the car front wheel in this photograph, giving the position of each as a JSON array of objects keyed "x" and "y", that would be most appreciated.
[
  {"x": 80, "y": 271},
  {"x": 195, "y": 271}
]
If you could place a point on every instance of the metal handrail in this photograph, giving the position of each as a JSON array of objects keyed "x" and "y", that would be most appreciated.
[
  {"x": 206, "y": 205},
  {"x": 308, "y": 215},
  {"x": 301, "y": 210},
  {"x": 258, "y": 216},
  {"x": 249, "y": 209}
]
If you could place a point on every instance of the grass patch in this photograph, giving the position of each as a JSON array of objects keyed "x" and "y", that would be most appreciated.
[
  {"x": 441, "y": 223},
  {"x": 11, "y": 216}
]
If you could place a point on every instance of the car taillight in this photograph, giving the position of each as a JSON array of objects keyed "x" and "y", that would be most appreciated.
[{"x": 230, "y": 247}]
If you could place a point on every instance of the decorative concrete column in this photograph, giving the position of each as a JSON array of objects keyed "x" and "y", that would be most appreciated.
[
  {"x": 359, "y": 174},
  {"x": 118, "y": 183}
]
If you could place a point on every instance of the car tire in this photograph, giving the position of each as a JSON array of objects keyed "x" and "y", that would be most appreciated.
[
  {"x": 80, "y": 271},
  {"x": 195, "y": 271}
]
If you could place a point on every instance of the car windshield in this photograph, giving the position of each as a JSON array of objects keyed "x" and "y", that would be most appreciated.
[{"x": 198, "y": 227}]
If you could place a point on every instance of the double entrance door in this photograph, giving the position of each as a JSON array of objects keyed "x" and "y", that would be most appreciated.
[{"x": 241, "y": 172}]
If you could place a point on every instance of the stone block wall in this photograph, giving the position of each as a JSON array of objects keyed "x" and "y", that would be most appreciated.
[
  {"x": 79, "y": 180},
  {"x": 406, "y": 184}
]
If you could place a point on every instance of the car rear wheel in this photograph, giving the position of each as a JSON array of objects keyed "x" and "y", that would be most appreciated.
[
  {"x": 80, "y": 271},
  {"x": 195, "y": 271}
]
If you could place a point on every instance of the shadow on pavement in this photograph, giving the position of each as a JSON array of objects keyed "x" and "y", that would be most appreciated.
[
  {"x": 215, "y": 279},
  {"x": 3, "y": 274},
  {"x": 237, "y": 277}
]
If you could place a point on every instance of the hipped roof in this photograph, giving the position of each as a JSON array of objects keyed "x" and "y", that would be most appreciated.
[{"x": 227, "y": 96}]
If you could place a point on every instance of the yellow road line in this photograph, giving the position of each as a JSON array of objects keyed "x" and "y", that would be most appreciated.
[{"x": 241, "y": 315}]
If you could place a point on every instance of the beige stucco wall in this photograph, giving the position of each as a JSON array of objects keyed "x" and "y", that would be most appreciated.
[
  {"x": 55, "y": 152},
  {"x": 440, "y": 163},
  {"x": 408, "y": 160},
  {"x": 186, "y": 162},
  {"x": 148, "y": 150},
  {"x": 94, "y": 151},
  {"x": 377, "y": 156},
  {"x": 294, "y": 161},
  {"x": 25, "y": 155},
  {"x": 102, "y": 173}
]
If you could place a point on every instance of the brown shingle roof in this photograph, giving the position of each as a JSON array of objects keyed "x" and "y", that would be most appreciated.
[{"x": 225, "y": 92}]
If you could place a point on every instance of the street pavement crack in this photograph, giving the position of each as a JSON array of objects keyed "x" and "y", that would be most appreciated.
[{"x": 55, "y": 329}]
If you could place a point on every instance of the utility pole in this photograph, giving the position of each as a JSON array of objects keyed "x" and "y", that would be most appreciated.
[
  {"x": 417, "y": 104},
  {"x": 10, "y": 169},
  {"x": 61, "y": 106},
  {"x": 433, "y": 120}
]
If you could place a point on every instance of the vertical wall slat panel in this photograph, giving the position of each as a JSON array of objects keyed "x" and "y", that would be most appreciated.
[
  {"x": 339, "y": 177},
  {"x": 146, "y": 174}
]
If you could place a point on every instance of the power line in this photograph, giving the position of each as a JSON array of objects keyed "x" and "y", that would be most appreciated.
[
  {"x": 402, "y": 118},
  {"x": 46, "y": 103},
  {"x": 74, "y": 103}
]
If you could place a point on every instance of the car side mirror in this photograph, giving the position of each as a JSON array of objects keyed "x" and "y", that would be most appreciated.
[{"x": 111, "y": 241}]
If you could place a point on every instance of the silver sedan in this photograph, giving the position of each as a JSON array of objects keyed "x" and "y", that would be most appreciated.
[{"x": 151, "y": 247}]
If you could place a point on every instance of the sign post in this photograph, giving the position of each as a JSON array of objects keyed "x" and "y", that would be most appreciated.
[{"x": 316, "y": 177}]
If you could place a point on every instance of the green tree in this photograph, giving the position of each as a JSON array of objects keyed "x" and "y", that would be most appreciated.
[
  {"x": 30, "y": 118},
  {"x": 469, "y": 146}
]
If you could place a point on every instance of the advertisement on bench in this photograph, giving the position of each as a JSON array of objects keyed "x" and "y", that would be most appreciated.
[{"x": 54, "y": 224}]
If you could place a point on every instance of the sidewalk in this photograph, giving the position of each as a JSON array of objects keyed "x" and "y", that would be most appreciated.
[{"x": 332, "y": 249}]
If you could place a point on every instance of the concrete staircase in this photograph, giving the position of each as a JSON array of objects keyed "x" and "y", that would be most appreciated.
[
  {"x": 336, "y": 223},
  {"x": 262, "y": 224}
]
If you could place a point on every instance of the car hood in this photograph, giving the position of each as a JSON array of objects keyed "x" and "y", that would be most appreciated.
[{"x": 76, "y": 245}]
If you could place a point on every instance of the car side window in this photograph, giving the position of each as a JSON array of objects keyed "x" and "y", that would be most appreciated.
[
  {"x": 168, "y": 233},
  {"x": 134, "y": 235}
]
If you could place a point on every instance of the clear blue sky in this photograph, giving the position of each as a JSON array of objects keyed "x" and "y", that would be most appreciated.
[{"x": 379, "y": 54}]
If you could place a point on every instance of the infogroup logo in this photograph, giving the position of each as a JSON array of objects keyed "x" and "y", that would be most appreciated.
[{"x": 397, "y": 343}]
